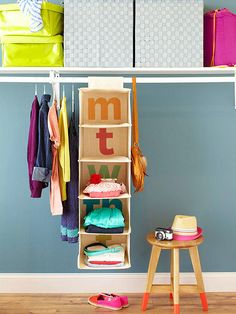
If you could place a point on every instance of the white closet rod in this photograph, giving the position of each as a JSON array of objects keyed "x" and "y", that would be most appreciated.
[
  {"x": 55, "y": 78},
  {"x": 142, "y": 80}
]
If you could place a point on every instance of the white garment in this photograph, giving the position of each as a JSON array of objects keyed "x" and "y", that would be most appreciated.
[
  {"x": 109, "y": 257},
  {"x": 103, "y": 265},
  {"x": 32, "y": 8}
]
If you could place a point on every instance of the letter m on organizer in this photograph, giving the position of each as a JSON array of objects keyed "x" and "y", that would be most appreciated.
[{"x": 104, "y": 104}]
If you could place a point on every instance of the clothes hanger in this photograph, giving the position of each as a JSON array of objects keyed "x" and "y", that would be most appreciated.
[
  {"x": 54, "y": 93},
  {"x": 44, "y": 89},
  {"x": 36, "y": 90},
  {"x": 54, "y": 97},
  {"x": 63, "y": 91},
  {"x": 73, "y": 99}
]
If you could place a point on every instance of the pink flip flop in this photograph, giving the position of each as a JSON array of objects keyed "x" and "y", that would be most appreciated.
[{"x": 106, "y": 301}]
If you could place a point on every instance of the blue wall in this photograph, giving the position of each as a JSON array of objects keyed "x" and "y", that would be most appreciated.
[{"x": 187, "y": 133}]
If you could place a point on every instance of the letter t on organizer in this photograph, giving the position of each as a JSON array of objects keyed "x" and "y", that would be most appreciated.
[{"x": 102, "y": 135}]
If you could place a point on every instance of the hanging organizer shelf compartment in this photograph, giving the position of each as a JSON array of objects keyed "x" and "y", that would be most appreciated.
[
  {"x": 105, "y": 159},
  {"x": 86, "y": 239},
  {"x": 85, "y": 197},
  {"x": 105, "y": 149},
  {"x": 119, "y": 203}
]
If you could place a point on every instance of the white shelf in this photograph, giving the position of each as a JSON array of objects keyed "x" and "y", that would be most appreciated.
[
  {"x": 82, "y": 265},
  {"x": 144, "y": 75},
  {"x": 138, "y": 71},
  {"x": 126, "y": 232},
  {"x": 85, "y": 197},
  {"x": 121, "y": 125},
  {"x": 107, "y": 159}
]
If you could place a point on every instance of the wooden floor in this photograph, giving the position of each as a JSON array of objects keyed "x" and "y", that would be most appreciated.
[{"x": 219, "y": 303}]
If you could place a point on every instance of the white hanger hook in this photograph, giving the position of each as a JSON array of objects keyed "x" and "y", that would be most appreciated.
[
  {"x": 63, "y": 90},
  {"x": 73, "y": 99},
  {"x": 36, "y": 90},
  {"x": 44, "y": 89},
  {"x": 54, "y": 96}
]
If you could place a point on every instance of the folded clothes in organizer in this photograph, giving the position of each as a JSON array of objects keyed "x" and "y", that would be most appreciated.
[
  {"x": 105, "y": 188},
  {"x": 95, "y": 229},
  {"x": 102, "y": 255},
  {"x": 103, "y": 264},
  {"x": 105, "y": 217}
]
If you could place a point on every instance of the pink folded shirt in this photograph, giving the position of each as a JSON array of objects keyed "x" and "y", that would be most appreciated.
[{"x": 106, "y": 188}]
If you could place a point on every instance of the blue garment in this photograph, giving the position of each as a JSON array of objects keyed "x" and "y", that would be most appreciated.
[
  {"x": 105, "y": 217},
  {"x": 43, "y": 165},
  {"x": 69, "y": 219},
  {"x": 95, "y": 229}
]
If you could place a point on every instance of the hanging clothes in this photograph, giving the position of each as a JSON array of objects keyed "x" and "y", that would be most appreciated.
[
  {"x": 69, "y": 220},
  {"x": 43, "y": 165},
  {"x": 32, "y": 148},
  {"x": 55, "y": 192},
  {"x": 64, "y": 152}
]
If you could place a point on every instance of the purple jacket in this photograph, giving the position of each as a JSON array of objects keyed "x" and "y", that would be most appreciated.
[{"x": 35, "y": 186}]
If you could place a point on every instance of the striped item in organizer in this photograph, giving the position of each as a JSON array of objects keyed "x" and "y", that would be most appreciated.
[{"x": 32, "y": 8}]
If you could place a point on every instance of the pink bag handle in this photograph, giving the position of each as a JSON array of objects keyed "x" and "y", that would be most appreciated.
[{"x": 214, "y": 39}]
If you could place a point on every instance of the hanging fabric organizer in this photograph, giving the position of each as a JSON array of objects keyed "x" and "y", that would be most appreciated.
[{"x": 105, "y": 149}]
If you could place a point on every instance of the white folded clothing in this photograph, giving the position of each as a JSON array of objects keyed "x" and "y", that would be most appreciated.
[
  {"x": 103, "y": 265},
  {"x": 110, "y": 256}
]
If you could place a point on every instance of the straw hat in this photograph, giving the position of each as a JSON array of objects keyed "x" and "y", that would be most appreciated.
[{"x": 185, "y": 228}]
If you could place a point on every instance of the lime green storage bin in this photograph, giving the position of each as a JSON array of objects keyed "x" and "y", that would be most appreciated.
[
  {"x": 14, "y": 22},
  {"x": 28, "y": 51}
]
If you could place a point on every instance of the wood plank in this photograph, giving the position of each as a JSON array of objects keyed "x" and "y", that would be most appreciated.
[
  {"x": 194, "y": 255},
  {"x": 188, "y": 289},
  {"x": 155, "y": 254},
  {"x": 219, "y": 303},
  {"x": 176, "y": 275},
  {"x": 161, "y": 289},
  {"x": 168, "y": 289}
]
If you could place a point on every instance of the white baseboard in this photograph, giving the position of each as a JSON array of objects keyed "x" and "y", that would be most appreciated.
[{"x": 94, "y": 283}]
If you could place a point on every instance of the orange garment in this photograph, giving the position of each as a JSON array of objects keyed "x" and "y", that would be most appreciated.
[{"x": 55, "y": 192}]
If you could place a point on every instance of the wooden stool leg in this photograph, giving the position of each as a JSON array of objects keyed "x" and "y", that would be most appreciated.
[
  {"x": 176, "y": 280},
  {"x": 194, "y": 255},
  {"x": 155, "y": 254},
  {"x": 171, "y": 273}
]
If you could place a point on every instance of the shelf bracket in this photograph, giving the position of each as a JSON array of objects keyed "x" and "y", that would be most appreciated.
[{"x": 54, "y": 79}]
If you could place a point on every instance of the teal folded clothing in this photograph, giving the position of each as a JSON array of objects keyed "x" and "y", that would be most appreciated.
[{"x": 105, "y": 218}]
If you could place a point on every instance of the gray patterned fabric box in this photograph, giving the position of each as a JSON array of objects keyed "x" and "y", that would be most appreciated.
[
  {"x": 98, "y": 33},
  {"x": 169, "y": 33}
]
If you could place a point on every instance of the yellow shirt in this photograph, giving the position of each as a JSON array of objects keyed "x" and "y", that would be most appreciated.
[{"x": 64, "y": 152}]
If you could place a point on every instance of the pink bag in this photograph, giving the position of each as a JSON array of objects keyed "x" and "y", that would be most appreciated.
[{"x": 219, "y": 38}]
